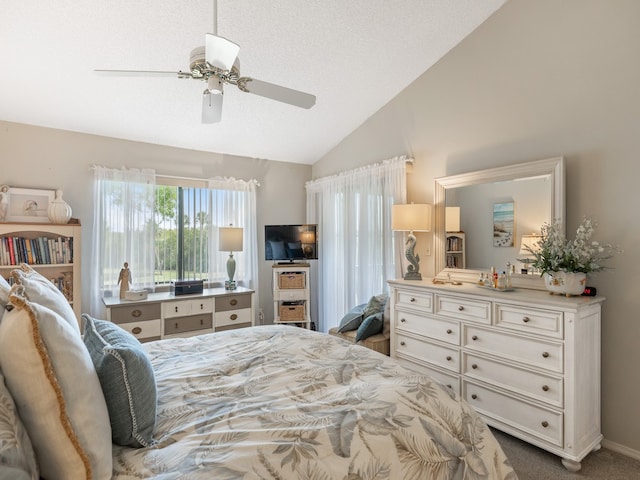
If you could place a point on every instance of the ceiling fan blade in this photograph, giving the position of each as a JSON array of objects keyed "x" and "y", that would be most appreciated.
[
  {"x": 211, "y": 107},
  {"x": 220, "y": 52},
  {"x": 276, "y": 92},
  {"x": 141, "y": 73}
]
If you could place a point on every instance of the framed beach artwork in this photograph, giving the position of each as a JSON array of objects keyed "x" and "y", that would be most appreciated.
[
  {"x": 28, "y": 205},
  {"x": 503, "y": 224}
]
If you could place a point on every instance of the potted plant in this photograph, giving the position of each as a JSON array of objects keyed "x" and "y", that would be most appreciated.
[{"x": 565, "y": 263}]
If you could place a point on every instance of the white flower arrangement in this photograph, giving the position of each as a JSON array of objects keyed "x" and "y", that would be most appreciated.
[{"x": 555, "y": 253}]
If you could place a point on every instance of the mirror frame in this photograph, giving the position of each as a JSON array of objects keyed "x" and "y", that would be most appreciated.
[{"x": 554, "y": 167}]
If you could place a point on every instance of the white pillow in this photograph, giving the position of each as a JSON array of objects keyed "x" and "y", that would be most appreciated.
[
  {"x": 51, "y": 377},
  {"x": 40, "y": 290}
]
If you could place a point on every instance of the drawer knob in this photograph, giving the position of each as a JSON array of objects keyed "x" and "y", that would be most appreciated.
[
  {"x": 526, "y": 319},
  {"x": 545, "y": 354},
  {"x": 136, "y": 313},
  {"x": 460, "y": 308},
  {"x": 176, "y": 325},
  {"x": 233, "y": 316},
  {"x": 412, "y": 300},
  {"x": 545, "y": 424},
  {"x": 402, "y": 343},
  {"x": 402, "y": 320},
  {"x": 475, "y": 337},
  {"x": 449, "y": 331},
  {"x": 474, "y": 366},
  {"x": 176, "y": 308},
  {"x": 233, "y": 301},
  {"x": 202, "y": 306},
  {"x": 449, "y": 386},
  {"x": 545, "y": 388},
  {"x": 201, "y": 321},
  {"x": 449, "y": 358},
  {"x": 474, "y": 396},
  {"x": 136, "y": 330}
]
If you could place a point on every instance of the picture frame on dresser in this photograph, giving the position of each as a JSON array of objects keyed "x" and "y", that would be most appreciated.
[{"x": 28, "y": 205}]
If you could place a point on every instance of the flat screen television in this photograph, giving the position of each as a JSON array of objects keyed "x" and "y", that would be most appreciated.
[{"x": 290, "y": 243}]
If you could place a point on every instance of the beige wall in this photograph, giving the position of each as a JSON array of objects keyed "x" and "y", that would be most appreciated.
[
  {"x": 33, "y": 157},
  {"x": 540, "y": 78}
]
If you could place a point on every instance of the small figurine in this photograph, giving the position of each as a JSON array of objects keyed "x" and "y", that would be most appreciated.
[
  {"x": 4, "y": 202},
  {"x": 124, "y": 280}
]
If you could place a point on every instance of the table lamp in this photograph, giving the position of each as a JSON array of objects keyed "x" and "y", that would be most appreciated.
[
  {"x": 230, "y": 240},
  {"x": 413, "y": 217}
]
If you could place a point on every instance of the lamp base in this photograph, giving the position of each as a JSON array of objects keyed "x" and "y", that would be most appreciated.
[{"x": 230, "y": 285}]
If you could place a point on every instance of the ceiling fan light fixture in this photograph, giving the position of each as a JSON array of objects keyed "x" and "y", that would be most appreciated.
[
  {"x": 214, "y": 85},
  {"x": 211, "y": 107}
]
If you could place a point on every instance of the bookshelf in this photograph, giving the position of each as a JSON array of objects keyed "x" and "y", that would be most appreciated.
[
  {"x": 455, "y": 250},
  {"x": 50, "y": 249}
]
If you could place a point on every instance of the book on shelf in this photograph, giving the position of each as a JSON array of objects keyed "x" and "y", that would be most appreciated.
[{"x": 36, "y": 251}]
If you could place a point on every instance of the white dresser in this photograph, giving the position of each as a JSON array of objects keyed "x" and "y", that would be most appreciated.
[
  {"x": 527, "y": 361},
  {"x": 164, "y": 315}
]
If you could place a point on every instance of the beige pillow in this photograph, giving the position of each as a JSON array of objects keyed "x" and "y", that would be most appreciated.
[
  {"x": 40, "y": 290},
  {"x": 51, "y": 377}
]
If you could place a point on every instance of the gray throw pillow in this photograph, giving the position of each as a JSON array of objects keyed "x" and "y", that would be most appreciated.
[
  {"x": 375, "y": 305},
  {"x": 372, "y": 325},
  {"x": 127, "y": 380},
  {"x": 352, "y": 319}
]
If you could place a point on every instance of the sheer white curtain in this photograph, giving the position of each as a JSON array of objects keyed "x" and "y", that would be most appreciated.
[
  {"x": 356, "y": 245},
  {"x": 233, "y": 202},
  {"x": 123, "y": 231}
]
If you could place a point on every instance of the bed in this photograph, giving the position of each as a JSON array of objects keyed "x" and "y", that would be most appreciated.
[{"x": 267, "y": 402}]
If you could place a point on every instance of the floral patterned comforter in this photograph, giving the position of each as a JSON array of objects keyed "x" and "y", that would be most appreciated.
[{"x": 280, "y": 402}]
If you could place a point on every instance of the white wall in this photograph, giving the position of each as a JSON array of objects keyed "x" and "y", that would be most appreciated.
[
  {"x": 34, "y": 157},
  {"x": 539, "y": 79}
]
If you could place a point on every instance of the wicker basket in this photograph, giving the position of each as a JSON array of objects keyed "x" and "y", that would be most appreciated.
[
  {"x": 291, "y": 312},
  {"x": 291, "y": 280}
]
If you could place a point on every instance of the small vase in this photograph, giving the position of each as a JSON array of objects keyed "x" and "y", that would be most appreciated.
[
  {"x": 59, "y": 211},
  {"x": 565, "y": 283}
]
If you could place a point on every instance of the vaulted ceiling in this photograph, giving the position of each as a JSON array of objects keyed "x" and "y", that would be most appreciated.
[{"x": 354, "y": 55}]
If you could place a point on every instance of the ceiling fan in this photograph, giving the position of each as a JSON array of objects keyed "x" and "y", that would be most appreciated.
[{"x": 217, "y": 64}]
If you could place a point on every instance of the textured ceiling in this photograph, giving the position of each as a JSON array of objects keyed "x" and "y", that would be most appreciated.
[{"x": 354, "y": 55}]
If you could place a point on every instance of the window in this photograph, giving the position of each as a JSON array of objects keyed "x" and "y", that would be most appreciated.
[
  {"x": 168, "y": 231},
  {"x": 182, "y": 233}
]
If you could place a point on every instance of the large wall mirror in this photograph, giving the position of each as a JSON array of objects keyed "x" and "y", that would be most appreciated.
[{"x": 496, "y": 208}]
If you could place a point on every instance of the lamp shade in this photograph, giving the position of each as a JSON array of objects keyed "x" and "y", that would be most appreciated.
[
  {"x": 230, "y": 239},
  {"x": 452, "y": 219},
  {"x": 307, "y": 237},
  {"x": 414, "y": 217},
  {"x": 530, "y": 241}
]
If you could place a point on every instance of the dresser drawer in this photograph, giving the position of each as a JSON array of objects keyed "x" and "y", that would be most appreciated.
[
  {"x": 187, "y": 324},
  {"x": 546, "y": 388},
  {"x": 233, "y": 302},
  {"x": 440, "y": 355},
  {"x": 232, "y": 317},
  {"x": 529, "y": 351},
  {"x": 545, "y": 424},
  {"x": 540, "y": 322},
  {"x": 180, "y": 308},
  {"x": 428, "y": 326},
  {"x": 144, "y": 331},
  {"x": 463, "y": 308},
  {"x": 421, "y": 301},
  {"x": 134, "y": 313}
]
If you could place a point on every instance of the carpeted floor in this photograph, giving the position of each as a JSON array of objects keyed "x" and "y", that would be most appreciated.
[{"x": 532, "y": 463}]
